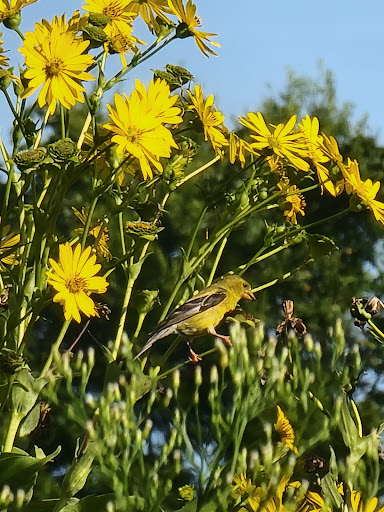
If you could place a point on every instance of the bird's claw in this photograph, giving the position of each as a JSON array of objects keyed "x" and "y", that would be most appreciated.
[{"x": 194, "y": 358}]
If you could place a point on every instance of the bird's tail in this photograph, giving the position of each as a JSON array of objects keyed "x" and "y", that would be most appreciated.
[{"x": 156, "y": 335}]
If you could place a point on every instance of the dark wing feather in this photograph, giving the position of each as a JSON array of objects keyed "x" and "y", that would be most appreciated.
[{"x": 190, "y": 308}]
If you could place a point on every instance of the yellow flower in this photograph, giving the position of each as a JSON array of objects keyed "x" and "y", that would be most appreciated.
[
  {"x": 295, "y": 201},
  {"x": 190, "y": 21},
  {"x": 285, "y": 430},
  {"x": 8, "y": 240},
  {"x": 118, "y": 10},
  {"x": 55, "y": 59},
  {"x": 211, "y": 119},
  {"x": 149, "y": 10},
  {"x": 366, "y": 190},
  {"x": 3, "y": 58},
  {"x": 281, "y": 141},
  {"x": 359, "y": 506},
  {"x": 9, "y": 8},
  {"x": 74, "y": 279},
  {"x": 241, "y": 486},
  {"x": 99, "y": 232},
  {"x": 138, "y": 124},
  {"x": 237, "y": 148},
  {"x": 121, "y": 43}
]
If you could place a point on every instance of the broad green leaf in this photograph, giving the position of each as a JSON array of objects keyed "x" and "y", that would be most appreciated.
[{"x": 19, "y": 470}]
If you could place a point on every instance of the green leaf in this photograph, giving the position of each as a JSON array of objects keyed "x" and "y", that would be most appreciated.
[
  {"x": 94, "y": 503},
  {"x": 31, "y": 421},
  {"x": 19, "y": 470},
  {"x": 191, "y": 506},
  {"x": 331, "y": 493},
  {"x": 25, "y": 392},
  {"x": 320, "y": 245}
]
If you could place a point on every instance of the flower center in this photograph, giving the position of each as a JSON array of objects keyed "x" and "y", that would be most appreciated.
[
  {"x": 75, "y": 284},
  {"x": 54, "y": 67},
  {"x": 273, "y": 143},
  {"x": 133, "y": 135}
]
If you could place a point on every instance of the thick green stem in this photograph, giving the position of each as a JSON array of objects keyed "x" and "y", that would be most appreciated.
[{"x": 13, "y": 427}]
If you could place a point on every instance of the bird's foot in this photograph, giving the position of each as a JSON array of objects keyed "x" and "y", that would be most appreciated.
[
  {"x": 194, "y": 358},
  {"x": 226, "y": 339}
]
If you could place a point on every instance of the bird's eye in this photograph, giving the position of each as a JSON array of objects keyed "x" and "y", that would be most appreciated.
[{"x": 245, "y": 285}]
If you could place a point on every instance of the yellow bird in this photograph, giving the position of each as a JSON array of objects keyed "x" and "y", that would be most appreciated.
[{"x": 204, "y": 312}]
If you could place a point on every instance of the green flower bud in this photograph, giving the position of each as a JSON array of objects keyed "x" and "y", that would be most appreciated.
[
  {"x": 10, "y": 362},
  {"x": 179, "y": 72},
  {"x": 5, "y": 78},
  {"x": 143, "y": 229},
  {"x": 63, "y": 150},
  {"x": 30, "y": 158},
  {"x": 355, "y": 204},
  {"x": 13, "y": 21},
  {"x": 95, "y": 34},
  {"x": 98, "y": 20},
  {"x": 182, "y": 31}
]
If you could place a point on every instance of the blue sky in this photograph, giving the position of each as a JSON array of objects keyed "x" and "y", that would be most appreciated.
[{"x": 260, "y": 40}]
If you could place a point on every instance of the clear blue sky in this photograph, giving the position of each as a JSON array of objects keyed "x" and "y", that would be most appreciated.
[{"x": 261, "y": 39}]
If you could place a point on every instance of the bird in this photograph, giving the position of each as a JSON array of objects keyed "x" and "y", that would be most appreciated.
[{"x": 202, "y": 313}]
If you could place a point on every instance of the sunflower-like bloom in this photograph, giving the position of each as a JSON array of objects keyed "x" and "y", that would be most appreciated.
[
  {"x": 149, "y": 10},
  {"x": 56, "y": 59},
  {"x": 9, "y": 8},
  {"x": 280, "y": 141},
  {"x": 238, "y": 148},
  {"x": 320, "y": 149},
  {"x": 74, "y": 278},
  {"x": 365, "y": 190},
  {"x": 3, "y": 58},
  {"x": 359, "y": 506},
  {"x": 7, "y": 241},
  {"x": 138, "y": 124},
  {"x": 119, "y": 12},
  {"x": 294, "y": 202},
  {"x": 211, "y": 119},
  {"x": 98, "y": 232},
  {"x": 285, "y": 430},
  {"x": 190, "y": 21}
]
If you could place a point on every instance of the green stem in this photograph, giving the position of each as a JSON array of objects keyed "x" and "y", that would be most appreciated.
[
  {"x": 196, "y": 230},
  {"x": 55, "y": 347},
  {"x": 89, "y": 220},
  {"x": 197, "y": 171},
  {"x": 13, "y": 427},
  {"x": 15, "y": 114},
  {"x": 127, "y": 297},
  {"x": 135, "y": 62},
  {"x": 62, "y": 121},
  {"x": 40, "y": 133},
  {"x": 376, "y": 330},
  {"x": 217, "y": 259}
]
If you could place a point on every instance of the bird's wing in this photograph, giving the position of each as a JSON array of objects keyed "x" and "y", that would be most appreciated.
[
  {"x": 192, "y": 307},
  {"x": 187, "y": 310}
]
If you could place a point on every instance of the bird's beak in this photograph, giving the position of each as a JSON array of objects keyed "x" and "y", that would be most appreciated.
[{"x": 249, "y": 295}]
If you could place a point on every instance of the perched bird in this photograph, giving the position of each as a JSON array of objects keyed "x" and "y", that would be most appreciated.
[{"x": 203, "y": 312}]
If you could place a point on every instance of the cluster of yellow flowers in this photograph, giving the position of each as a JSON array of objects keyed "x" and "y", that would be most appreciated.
[{"x": 141, "y": 129}]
